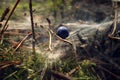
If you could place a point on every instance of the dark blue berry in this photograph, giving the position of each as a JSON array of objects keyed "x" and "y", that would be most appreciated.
[{"x": 63, "y": 32}]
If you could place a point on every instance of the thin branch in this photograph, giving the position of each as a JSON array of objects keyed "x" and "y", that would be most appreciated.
[
  {"x": 4, "y": 27},
  {"x": 32, "y": 25}
]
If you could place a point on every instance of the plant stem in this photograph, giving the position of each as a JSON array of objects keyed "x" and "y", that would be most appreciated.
[
  {"x": 32, "y": 26},
  {"x": 115, "y": 18}
]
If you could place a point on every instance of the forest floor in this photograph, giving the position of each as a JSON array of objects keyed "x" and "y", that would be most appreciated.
[{"x": 21, "y": 28}]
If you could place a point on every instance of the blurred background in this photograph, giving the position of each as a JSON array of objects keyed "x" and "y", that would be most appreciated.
[{"x": 61, "y": 10}]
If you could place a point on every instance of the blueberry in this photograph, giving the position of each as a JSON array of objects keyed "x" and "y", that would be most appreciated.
[{"x": 63, "y": 32}]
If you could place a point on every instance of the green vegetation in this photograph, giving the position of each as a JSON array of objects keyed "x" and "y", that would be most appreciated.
[{"x": 25, "y": 65}]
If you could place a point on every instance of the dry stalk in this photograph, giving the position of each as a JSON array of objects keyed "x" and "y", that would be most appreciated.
[
  {"x": 32, "y": 25},
  {"x": 112, "y": 37},
  {"x": 50, "y": 34},
  {"x": 115, "y": 22},
  {"x": 4, "y": 26},
  {"x": 50, "y": 41},
  {"x": 115, "y": 18}
]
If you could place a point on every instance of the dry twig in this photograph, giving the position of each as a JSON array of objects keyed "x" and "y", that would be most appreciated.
[
  {"x": 32, "y": 25},
  {"x": 115, "y": 22},
  {"x": 4, "y": 27}
]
